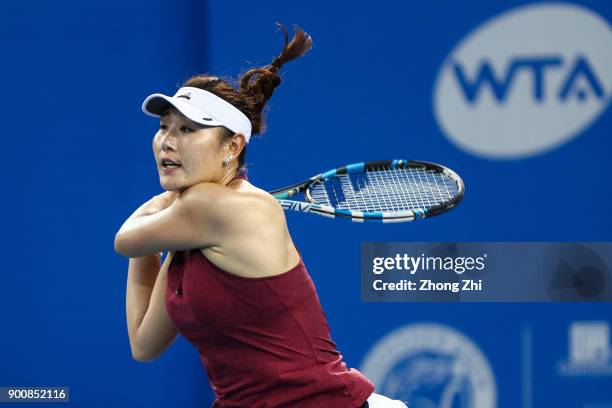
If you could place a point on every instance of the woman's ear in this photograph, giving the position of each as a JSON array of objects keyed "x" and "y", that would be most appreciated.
[{"x": 237, "y": 143}]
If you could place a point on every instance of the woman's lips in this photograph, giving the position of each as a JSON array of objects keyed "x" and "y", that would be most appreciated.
[{"x": 169, "y": 169}]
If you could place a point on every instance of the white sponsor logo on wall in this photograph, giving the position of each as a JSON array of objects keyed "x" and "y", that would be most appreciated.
[
  {"x": 526, "y": 81},
  {"x": 589, "y": 350},
  {"x": 431, "y": 366}
]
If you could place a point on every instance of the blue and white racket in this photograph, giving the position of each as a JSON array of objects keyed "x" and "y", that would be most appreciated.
[{"x": 384, "y": 191}]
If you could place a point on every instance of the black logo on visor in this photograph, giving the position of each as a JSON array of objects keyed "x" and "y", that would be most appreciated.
[{"x": 184, "y": 96}]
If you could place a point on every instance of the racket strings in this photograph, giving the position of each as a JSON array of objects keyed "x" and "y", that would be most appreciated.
[{"x": 386, "y": 189}]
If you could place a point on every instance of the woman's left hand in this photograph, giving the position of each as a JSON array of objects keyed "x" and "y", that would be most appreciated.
[
  {"x": 154, "y": 205},
  {"x": 159, "y": 202}
]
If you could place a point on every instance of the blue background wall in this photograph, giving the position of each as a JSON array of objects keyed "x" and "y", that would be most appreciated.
[{"x": 78, "y": 161}]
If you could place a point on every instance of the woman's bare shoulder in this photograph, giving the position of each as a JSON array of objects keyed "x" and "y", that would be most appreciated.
[
  {"x": 256, "y": 241},
  {"x": 237, "y": 197},
  {"x": 253, "y": 194},
  {"x": 241, "y": 205}
]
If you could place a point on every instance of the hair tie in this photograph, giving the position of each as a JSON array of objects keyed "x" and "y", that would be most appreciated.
[{"x": 276, "y": 63}]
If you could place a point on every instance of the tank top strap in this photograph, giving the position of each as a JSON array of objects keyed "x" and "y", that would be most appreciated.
[{"x": 242, "y": 174}]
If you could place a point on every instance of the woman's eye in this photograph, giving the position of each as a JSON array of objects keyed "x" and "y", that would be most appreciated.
[
  {"x": 162, "y": 127},
  {"x": 186, "y": 129}
]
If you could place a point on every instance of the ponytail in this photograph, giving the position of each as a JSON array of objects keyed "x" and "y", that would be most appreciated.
[{"x": 259, "y": 83}]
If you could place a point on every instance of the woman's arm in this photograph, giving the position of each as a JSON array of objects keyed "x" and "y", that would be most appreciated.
[
  {"x": 154, "y": 205},
  {"x": 199, "y": 217},
  {"x": 150, "y": 329}
]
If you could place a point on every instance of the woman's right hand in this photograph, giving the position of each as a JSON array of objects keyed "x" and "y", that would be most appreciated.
[{"x": 154, "y": 205}]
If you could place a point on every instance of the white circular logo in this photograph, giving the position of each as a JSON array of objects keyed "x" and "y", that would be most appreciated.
[
  {"x": 431, "y": 366},
  {"x": 526, "y": 81}
]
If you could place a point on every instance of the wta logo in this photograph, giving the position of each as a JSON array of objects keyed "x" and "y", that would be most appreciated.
[{"x": 526, "y": 81}]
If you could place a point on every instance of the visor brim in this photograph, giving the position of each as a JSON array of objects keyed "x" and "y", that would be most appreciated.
[{"x": 156, "y": 104}]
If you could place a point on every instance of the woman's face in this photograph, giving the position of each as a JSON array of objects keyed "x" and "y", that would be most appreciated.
[{"x": 197, "y": 149}]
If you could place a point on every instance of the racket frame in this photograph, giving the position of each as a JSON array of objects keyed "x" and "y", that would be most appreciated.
[{"x": 310, "y": 205}]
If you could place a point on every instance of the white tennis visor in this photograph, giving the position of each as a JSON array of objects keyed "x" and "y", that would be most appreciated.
[{"x": 201, "y": 107}]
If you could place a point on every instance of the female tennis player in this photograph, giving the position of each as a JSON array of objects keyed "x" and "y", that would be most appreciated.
[{"x": 233, "y": 283}]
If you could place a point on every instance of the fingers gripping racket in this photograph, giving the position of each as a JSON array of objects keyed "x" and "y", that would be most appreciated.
[{"x": 384, "y": 191}]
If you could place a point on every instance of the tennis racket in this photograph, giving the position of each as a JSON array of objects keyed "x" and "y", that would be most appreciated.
[{"x": 383, "y": 191}]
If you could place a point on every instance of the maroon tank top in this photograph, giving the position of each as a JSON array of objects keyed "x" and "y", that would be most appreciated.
[{"x": 264, "y": 342}]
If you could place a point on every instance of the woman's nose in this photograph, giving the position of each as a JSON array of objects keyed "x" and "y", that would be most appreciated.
[
  {"x": 167, "y": 142},
  {"x": 166, "y": 147}
]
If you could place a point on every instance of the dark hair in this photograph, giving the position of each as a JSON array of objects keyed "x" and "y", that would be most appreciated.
[{"x": 256, "y": 86}]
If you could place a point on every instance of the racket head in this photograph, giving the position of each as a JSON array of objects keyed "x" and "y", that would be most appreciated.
[{"x": 387, "y": 190}]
